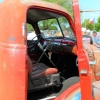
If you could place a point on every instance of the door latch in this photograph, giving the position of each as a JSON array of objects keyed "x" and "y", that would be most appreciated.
[{"x": 83, "y": 72}]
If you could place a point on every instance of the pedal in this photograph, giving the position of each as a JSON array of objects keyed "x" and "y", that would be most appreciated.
[{"x": 49, "y": 53}]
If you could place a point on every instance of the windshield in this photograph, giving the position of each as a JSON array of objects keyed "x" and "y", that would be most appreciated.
[{"x": 56, "y": 27}]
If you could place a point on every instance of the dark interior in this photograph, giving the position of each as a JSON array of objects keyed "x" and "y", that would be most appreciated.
[
  {"x": 35, "y": 15},
  {"x": 62, "y": 56}
]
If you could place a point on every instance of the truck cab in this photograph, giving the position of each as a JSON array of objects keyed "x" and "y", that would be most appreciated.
[{"x": 62, "y": 64}]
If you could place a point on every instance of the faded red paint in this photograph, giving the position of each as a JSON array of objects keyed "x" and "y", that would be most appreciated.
[
  {"x": 13, "y": 69},
  {"x": 85, "y": 80},
  {"x": 68, "y": 92}
]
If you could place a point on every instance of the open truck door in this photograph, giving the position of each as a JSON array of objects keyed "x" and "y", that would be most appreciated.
[
  {"x": 84, "y": 69},
  {"x": 13, "y": 67},
  {"x": 83, "y": 89}
]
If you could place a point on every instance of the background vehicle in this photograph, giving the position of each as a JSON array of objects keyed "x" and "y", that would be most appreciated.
[{"x": 63, "y": 77}]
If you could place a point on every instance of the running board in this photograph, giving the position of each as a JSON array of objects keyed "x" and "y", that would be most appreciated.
[{"x": 48, "y": 98}]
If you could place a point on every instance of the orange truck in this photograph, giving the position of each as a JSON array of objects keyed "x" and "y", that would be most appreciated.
[{"x": 64, "y": 68}]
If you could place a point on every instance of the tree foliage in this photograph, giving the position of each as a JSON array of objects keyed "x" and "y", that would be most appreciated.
[
  {"x": 48, "y": 24},
  {"x": 97, "y": 25},
  {"x": 67, "y": 4},
  {"x": 93, "y": 26},
  {"x": 52, "y": 24},
  {"x": 87, "y": 25},
  {"x": 99, "y": 19},
  {"x": 29, "y": 27}
]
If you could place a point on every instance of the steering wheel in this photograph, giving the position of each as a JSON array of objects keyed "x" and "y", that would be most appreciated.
[{"x": 33, "y": 42}]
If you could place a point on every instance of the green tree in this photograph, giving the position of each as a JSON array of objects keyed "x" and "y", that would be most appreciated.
[
  {"x": 67, "y": 4},
  {"x": 29, "y": 27},
  {"x": 93, "y": 26},
  {"x": 99, "y": 19},
  {"x": 87, "y": 25},
  {"x": 49, "y": 24},
  {"x": 97, "y": 25}
]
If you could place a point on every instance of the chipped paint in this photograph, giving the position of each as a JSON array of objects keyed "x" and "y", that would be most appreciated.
[
  {"x": 1, "y": 1},
  {"x": 14, "y": 49},
  {"x": 26, "y": 1},
  {"x": 12, "y": 39},
  {"x": 37, "y": 3},
  {"x": 4, "y": 66},
  {"x": 44, "y": 4}
]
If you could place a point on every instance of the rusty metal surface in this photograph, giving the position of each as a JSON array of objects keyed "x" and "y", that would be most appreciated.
[
  {"x": 13, "y": 69},
  {"x": 42, "y": 3},
  {"x": 35, "y": 3}
]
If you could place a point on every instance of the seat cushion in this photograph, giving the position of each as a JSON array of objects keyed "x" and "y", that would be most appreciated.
[{"x": 41, "y": 69}]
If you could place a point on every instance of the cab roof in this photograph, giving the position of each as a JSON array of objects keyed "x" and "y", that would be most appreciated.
[{"x": 36, "y": 3}]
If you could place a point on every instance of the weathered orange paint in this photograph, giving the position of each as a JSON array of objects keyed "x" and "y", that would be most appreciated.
[
  {"x": 13, "y": 69},
  {"x": 68, "y": 92}
]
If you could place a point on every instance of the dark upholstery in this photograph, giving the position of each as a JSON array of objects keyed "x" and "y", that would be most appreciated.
[{"x": 41, "y": 69}]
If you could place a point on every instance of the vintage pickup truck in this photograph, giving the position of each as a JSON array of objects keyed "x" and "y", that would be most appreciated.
[{"x": 64, "y": 68}]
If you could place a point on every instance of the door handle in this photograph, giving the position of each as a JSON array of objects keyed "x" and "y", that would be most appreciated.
[{"x": 83, "y": 72}]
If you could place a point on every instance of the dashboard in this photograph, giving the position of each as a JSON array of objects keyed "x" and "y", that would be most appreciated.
[{"x": 61, "y": 46}]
